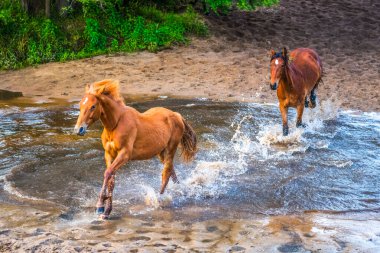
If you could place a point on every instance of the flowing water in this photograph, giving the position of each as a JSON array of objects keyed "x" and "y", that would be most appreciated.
[{"x": 244, "y": 165}]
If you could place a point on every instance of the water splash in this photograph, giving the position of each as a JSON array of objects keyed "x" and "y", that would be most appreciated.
[
  {"x": 244, "y": 165},
  {"x": 272, "y": 139},
  {"x": 151, "y": 198}
]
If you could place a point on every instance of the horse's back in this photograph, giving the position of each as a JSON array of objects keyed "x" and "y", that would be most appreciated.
[
  {"x": 160, "y": 117},
  {"x": 159, "y": 114},
  {"x": 155, "y": 129},
  {"x": 306, "y": 69},
  {"x": 306, "y": 58}
]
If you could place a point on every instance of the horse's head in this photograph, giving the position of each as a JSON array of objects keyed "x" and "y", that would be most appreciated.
[
  {"x": 278, "y": 62},
  {"x": 90, "y": 111}
]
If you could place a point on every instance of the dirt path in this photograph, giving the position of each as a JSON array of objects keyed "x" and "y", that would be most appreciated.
[{"x": 233, "y": 64}]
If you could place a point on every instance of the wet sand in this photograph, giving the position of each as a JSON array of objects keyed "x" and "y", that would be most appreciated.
[
  {"x": 233, "y": 63},
  {"x": 310, "y": 232}
]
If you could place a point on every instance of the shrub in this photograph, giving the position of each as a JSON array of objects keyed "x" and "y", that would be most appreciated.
[{"x": 90, "y": 27}]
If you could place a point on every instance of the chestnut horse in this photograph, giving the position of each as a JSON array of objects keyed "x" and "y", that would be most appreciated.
[
  {"x": 130, "y": 135},
  {"x": 295, "y": 76}
]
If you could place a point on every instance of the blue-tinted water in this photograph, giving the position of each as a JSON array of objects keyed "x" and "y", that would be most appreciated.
[{"x": 244, "y": 165}]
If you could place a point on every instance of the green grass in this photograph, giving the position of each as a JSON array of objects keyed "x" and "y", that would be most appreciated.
[{"x": 27, "y": 40}]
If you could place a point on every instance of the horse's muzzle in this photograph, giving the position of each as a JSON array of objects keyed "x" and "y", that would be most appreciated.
[
  {"x": 273, "y": 86},
  {"x": 80, "y": 131}
]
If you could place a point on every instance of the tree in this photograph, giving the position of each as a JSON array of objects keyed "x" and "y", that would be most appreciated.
[
  {"x": 33, "y": 7},
  {"x": 47, "y": 8},
  {"x": 37, "y": 6}
]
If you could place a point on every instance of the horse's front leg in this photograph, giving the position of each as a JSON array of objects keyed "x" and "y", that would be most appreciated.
[
  {"x": 102, "y": 195},
  {"x": 109, "y": 184},
  {"x": 284, "y": 115},
  {"x": 300, "y": 108},
  {"x": 110, "y": 187}
]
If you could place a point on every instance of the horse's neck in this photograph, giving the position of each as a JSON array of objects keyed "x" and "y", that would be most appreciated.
[
  {"x": 287, "y": 78},
  {"x": 111, "y": 112}
]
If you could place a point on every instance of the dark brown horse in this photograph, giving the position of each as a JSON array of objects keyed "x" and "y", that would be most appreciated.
[
  {"x": 131, "y": 135},
  {"x": 296, "y": 77}
]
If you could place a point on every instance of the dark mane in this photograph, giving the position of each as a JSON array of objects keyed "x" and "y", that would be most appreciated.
[{"x": 279, "y": 55}]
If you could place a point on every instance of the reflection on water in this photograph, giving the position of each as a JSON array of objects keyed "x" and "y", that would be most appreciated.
[{"x": 244, "y": 167}]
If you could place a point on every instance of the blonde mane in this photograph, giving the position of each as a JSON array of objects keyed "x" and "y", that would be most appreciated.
[{"x": 106, "y": 87}]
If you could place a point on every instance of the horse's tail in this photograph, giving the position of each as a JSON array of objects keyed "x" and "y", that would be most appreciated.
[
  {"x": 321, "y": 72},
  {"x": 188, "y": 142},
  {"x": 318, "y": 82}
]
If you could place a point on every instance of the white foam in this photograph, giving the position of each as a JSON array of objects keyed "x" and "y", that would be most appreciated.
[
  {"x": 151, "y": 198},
  {"x": 202, "y": 182},
  {"x": 272, "y": 139}
]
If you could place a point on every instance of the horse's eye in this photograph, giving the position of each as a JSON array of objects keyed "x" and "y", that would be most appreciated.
[{"x": 92, "y": 108}]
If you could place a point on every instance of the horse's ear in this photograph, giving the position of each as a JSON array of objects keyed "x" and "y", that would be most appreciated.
[
  {"x": 284, "y": 53},
  {"x": 272, "y": 52},
  {"x": 87, "y": 88}
]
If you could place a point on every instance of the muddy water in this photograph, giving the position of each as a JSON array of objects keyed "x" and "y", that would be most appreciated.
[{"x": 245, "y": 166}]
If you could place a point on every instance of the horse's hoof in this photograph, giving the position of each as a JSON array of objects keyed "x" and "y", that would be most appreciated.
[
  {"x": 175, "y": 180},
  {"x": 100, "y": 210},
  {"x": 313, "y": 100},
  {"x": 285, "y": 131},
  {"x": 104, "y": 217},
  {"x": 303, "y": 125}
]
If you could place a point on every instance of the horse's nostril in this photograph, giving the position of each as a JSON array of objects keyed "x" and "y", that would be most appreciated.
[
  {"x": 273, "y": 86},
  {"x": 82, "y": 131}
]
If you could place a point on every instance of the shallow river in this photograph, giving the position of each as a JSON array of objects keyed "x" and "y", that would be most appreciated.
[{"x": 244, "y": 166}]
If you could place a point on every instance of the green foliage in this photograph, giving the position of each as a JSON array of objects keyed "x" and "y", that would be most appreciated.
[
  {"x": 96, "y": 41},
  {"x": 99, "y": 26},
  {"x": 218, "y": 5},
  {"x": 225, "y": 5},
  {"x": 86, "y": 28}
]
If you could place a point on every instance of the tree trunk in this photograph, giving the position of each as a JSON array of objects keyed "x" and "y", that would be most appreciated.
[
  {"x": 25, "y": 5},
  {"x": 47, "y": 8},
  {"x": 33, "y": 7}
]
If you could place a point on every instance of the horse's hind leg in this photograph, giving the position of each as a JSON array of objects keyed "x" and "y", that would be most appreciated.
[
  {"x": 313, "y": 98},
  {"x": 300, "y": 109},
  {"x": 162, "y": 159},
  {"x": 168, "y": 170},
  {"x": 161, "y": 156},
  {"x": 166, "y": 174}
]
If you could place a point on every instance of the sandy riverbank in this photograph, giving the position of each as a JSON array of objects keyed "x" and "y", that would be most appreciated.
[{"x": 232, "y": 64}]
